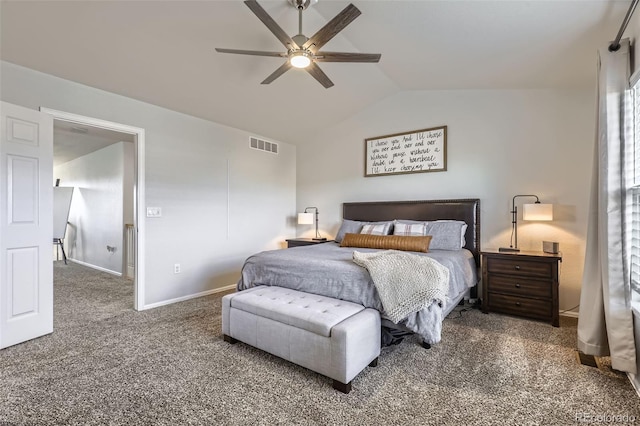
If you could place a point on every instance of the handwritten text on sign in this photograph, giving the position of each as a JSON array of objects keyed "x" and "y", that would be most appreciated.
[{"x": 414, "y": 152}]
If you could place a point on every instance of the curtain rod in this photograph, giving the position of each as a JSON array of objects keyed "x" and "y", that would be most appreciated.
[{"x": 616, "y": 43}]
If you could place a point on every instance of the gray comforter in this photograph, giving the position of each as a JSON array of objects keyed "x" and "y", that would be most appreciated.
[{"x": 328, "y": 269}]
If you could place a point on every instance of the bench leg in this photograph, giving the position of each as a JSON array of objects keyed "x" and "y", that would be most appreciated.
[
  {"x": 374, "y": 363},
  {"x": 229, "y": 339},
  {"x": 342, "y": 387}
]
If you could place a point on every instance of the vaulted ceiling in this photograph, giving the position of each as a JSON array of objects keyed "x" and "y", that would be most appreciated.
[
  {"x": 162, "y": 52},
  {"x": 72, "y": 141}
]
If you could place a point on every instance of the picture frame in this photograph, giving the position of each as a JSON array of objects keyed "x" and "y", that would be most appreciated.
[{"x": 417, "y": 151}]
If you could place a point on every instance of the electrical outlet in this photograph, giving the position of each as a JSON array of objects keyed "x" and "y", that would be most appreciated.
[
  {"x": 176, "y": 268},
  {"x": 154, "y": 211}
]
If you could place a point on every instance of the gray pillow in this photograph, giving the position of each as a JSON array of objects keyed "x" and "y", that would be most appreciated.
[
  {"x": 348, "y": 227},
  {"x": 447, "y": 234}
]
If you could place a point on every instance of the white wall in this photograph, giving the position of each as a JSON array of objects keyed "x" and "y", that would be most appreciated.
[
  {"x": 221, "y": 201},
  {"x": 128, "y": 183},
  {"x": 500, "y": 143},
  {"x": 128, "y": 179},
  {"x": 96, "y": 214}
]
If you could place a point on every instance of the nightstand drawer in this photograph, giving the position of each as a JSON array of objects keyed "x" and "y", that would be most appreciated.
[
  {"x": 519, "y": 267},
  {"x": 532, "y": 308},
  {"x": 520, "y": 286}
]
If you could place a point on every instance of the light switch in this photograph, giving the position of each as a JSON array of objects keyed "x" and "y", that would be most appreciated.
[{"x": 154, "y": 212}]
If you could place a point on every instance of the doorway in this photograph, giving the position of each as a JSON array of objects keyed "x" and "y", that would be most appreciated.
[{"x": 135, "y": 230}]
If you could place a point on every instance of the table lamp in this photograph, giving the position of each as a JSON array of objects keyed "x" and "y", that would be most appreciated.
[
  {"x": 536, "y": 211},
  {"x": 306, "y": 218}
]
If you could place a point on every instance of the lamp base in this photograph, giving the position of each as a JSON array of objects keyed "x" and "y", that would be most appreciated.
[
  {"x": 319, "y": 239},
  {"x": 509, "y": 249}
]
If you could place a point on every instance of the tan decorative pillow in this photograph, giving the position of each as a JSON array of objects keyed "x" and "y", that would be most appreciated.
[{"x": 388, "y": 242}]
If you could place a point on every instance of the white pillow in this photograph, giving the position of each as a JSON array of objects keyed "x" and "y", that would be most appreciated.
[
  {"x": 374, "y": 228},
  {"x": 410, "y": 229}
]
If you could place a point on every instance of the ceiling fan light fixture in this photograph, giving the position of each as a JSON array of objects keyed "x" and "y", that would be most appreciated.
[
  {"x": 300, "y": 59},
  {"x": 304, "y": 52}
]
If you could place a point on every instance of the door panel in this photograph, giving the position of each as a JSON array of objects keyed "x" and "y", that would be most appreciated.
[
  {"x": 22, "y": 188},
  {"x": 26, "y": 224},
  {"x": 21, "y": 131},
  {"x": 22, "y": 270}
]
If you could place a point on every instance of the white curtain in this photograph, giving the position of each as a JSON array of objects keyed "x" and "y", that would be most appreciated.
[{"x": 605, "y": 323}]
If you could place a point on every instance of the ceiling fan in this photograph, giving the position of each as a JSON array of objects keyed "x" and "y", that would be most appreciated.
[{"x": 302, "y": 51}]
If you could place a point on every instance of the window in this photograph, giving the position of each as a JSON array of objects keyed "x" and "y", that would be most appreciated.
[{"x": 634, "y": 192}]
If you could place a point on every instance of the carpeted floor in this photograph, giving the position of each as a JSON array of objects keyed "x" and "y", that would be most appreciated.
[{"x": 109, "y": 365}]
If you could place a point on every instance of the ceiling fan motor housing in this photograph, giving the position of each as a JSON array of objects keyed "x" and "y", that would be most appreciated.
[
  {"x": 301, "y": 4},
  {"x": 300, "y": 39}
]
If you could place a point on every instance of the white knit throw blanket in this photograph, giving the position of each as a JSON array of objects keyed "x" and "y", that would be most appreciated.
[{"x": 405, "y": 282}]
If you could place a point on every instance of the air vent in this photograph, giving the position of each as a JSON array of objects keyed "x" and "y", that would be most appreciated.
[{"x": 264, "y": 145}]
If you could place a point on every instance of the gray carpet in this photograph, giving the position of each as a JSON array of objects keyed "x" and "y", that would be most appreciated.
[{"x": 107, "y": 364}]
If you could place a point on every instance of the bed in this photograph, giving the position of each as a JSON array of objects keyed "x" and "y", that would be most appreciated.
[{"x": 329, "y": 270}]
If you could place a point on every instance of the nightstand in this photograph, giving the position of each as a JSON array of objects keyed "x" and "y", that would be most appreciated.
[
  {"x": 524, "y": 284},
  {"x": 297, "y": 242}
]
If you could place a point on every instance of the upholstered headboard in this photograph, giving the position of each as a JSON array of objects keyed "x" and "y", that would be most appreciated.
[{"x": 467, "y": 210}]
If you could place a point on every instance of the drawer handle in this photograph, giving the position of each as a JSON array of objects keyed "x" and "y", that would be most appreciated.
[
  {"x": 517, "y": 285},
  {"x": 518, "y": 303},
  {"x": 517, "y": 267}
]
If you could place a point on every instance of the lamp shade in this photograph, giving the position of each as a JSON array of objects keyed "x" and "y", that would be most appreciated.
[
  {"x": 305, "y": 218},
  {"x": 537, "y": 212}
]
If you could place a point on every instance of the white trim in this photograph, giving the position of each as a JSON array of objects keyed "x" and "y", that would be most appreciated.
[
  {"x": 99, "y": 268},
  {"x": 635, "y": 77},
  {"x": 635, "y": 378},
  {"x": 139, "y": 205},
  {"x": 189, "y": 297},
  {"x": 569, "y": 314},
  {"x": 635, "y": 382},
  {"x": 228, "y": 198}
]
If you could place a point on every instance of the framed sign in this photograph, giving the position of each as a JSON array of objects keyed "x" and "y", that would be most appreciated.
[{"x": 418, "y": 151}]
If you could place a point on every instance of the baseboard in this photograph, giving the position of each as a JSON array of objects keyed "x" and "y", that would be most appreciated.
[
  {"x": 569, "y": 314},
  {"x": 189, "y": 297},
  {"x": 635, "y": 381},
  {"x": 99, "y": 268}
]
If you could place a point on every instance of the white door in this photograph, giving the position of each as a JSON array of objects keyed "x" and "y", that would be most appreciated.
[{"x": 26, "y": 224}]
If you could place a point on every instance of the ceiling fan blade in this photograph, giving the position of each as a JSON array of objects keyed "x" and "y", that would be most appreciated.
[
  {"x": 277, "y": 73},
  {"x": 271, "y": 24},
  {"x": 319, "y": 75},
  {"x": 332, "y": 28},
  {"x": 347, "y": 57},
  {"x": 251, "y": 52}
]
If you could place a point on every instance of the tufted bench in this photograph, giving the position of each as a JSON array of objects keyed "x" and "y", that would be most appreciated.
[{"x": 332, "y": 337}]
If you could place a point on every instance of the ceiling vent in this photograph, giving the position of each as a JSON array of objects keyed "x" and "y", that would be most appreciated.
[{"x": 264, "y": 145}]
